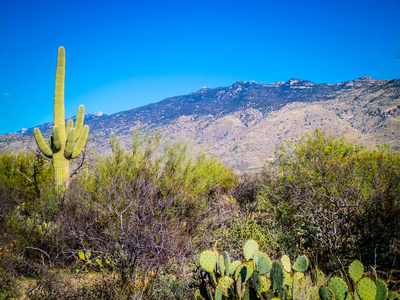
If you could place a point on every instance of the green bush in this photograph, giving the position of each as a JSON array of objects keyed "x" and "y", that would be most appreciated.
[{"x": 334, "y": 197}]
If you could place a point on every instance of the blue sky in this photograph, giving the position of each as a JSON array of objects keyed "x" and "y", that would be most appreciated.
[{"x": 125, "y": 54}]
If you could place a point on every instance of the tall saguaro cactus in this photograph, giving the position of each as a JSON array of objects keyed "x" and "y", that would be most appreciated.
[{"x": 66, "y": 142}]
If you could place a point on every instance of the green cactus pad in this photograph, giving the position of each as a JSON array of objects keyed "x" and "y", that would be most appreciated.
[
  {"x": 218, "y": 293},
  {"x": 325, "y": 293},
  {"x": 245, "y": 270},
  {"x": 248, "y": 249},
  {"x": 301, "y": 264},
  {"x": 255, "y": 260},
  {"x": 366, "y": 289},
  {"x": 381, "y": 290},
  {"x": 276, "y": 275},
  {"x": 227, "y": 261},
  {"x": 356, "y": 270},
  {"x": 285, "y": 261},
  {"x": 257, "y": 283},
  {"x": 225, "y": 283},
  {"x": 221, "y": 265},
  {"x": 233, "y": 266},
  {"x": 287, "y": 280},
  {"x": 264, "y": 263},
  {"x": 239, "y": 286},
  {"x": 266, "y": 284},
  {"x": 208, "y": 261},
  {"x": 339, "y": 287}
]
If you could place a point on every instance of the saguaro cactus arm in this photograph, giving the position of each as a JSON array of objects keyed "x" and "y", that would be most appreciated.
[
  {"x": 56, "y": 138},
  {"x": 81, "y": 142},
  {"x": 79, "y": 121},
  {"x": 69, "y": 147},
  {"x": 41, "y": 143}
]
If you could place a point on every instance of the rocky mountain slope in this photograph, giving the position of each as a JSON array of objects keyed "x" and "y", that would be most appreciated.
[{"x": 242, "y": 124}]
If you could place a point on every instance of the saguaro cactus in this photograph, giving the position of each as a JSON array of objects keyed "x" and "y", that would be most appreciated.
[{"x": 65, "y": 143}]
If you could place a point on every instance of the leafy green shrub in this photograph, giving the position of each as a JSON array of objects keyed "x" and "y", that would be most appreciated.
[{"x": 335, "y": 198}]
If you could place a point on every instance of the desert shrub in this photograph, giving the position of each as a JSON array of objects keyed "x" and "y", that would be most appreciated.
[
  {"x": 334, "y": 197},
  {"x": 8, "y": 286},
  {"x": 136, "y": 210},
  {"x": 22, "y": 177}
]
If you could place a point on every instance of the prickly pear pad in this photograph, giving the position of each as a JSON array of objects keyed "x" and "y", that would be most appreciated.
[
  {"x": 356, "y": 270},
  {"x": 339, "y": 287},
  {"x": 264, "y": 263},
  {"x": 381, "y": 290},
  {"x": 248, "y": 249},
  {"x": 301, "y": 264},
  {"x": 366, "y": 289},
  {"x": 208, "y": 261},
  {"x": 325, "y": 293},
  {"x": 287, "y": 266}
]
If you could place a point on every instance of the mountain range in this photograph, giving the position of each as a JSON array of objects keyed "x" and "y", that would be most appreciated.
[{"x": 244, "y": 123}]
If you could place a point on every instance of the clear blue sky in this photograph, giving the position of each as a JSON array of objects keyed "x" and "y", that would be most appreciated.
[{"x": 125, "y": 54}]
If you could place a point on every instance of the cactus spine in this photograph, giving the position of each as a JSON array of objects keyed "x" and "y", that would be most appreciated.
[{"x": 65, "y": 143}]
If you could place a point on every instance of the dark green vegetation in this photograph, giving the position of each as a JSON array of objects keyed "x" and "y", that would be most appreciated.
[{"x": 133, "y": 224}]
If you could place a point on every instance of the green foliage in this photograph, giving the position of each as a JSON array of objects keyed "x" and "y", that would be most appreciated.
[{"x": 335, "y": 197}]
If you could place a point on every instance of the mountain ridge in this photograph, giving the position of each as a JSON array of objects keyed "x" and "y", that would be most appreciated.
[{"x": 247, "y": 120}]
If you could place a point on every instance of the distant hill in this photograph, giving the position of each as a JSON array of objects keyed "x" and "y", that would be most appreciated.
[{"x": 242, "y": 124}]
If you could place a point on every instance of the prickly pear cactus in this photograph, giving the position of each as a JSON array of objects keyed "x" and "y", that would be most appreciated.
[
  {"x": 301, "y": 264},
  {"x": 285, "y": 261},
  {"x": 338, "y": 287},
  {"x": 277, "y": 276},
  {"x": 66, "y": 143},
  {"x": 366, "y": 289},
  {"x": 381, "y": 290},
  {"x": 248, "y": 249},
  {"x": 326, "y": 293},
  {"x": 208, "y": 261},
  {"x": 356, "y": 270},
  {"x": 256, "y": 278},
  {"x": 264, "y": 263}
]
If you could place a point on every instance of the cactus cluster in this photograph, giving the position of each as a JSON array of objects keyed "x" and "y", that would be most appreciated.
[
  {"x": 361, "y": 288},
  {"x": 66, "y": 142},
  {"x": 257, "y": 278}
]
